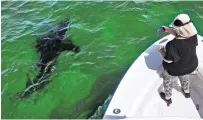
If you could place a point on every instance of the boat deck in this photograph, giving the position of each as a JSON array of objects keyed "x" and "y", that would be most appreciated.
[
  {"x": 196, "y": 92},
  {"x": 157, "y": 107},
  {"x": 137, "y": 95}
]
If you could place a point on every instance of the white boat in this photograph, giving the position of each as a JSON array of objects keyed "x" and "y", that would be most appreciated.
[{"x": 137, "y": 95}]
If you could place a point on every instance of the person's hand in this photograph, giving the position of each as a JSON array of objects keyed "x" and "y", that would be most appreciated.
[
  {"x": 165, "y": 28},
  {"x": 162, "y": 30},
  {"x": 160, "y": 48},
  {"x": 168, "y": 30}
]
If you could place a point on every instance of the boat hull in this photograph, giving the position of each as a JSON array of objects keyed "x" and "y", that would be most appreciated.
[{"x": 138, "y": 93}]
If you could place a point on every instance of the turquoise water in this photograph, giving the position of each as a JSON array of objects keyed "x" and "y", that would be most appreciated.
[{"x": 111, "y": 35}]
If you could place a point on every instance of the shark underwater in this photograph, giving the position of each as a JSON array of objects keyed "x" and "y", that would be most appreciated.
[{"x": 49, "y": 47}]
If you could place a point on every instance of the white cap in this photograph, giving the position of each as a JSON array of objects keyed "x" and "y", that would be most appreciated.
[
  {"x": 187, "y": 29},
  {"x": 184, "y": 18}
]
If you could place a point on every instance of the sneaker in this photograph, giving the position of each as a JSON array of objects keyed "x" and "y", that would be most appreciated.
[
  {"x": 187, "y": 95},
  {"x": 163, "y": 96}
]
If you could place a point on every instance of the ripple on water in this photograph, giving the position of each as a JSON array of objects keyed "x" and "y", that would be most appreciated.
[{"x": 90, "y": 20}]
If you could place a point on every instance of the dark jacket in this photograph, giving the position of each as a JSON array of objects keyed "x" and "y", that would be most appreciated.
[{"x": 183, "y": 54}]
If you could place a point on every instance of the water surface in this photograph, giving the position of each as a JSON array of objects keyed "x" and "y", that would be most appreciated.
[{"x": 111, "y": 34}]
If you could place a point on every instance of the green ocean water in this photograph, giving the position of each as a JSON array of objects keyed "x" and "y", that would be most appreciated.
[{"x": 111, "y": 35}]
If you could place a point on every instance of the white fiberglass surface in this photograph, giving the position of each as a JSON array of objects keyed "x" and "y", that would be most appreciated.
[
  {"x": 138, "y": 93},
  {"x": 180, "y": 107}
]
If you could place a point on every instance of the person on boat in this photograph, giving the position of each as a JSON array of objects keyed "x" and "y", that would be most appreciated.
[{"x": 179, "y": 59}]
